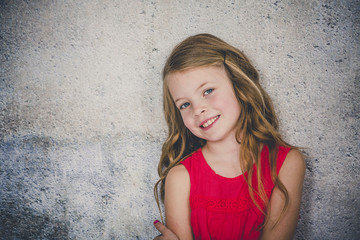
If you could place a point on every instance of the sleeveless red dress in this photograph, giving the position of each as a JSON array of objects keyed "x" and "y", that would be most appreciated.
[{"x": 221, "y": 208}]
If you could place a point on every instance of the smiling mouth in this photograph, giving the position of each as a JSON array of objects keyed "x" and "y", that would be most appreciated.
[{"x": 209, "y": 122}]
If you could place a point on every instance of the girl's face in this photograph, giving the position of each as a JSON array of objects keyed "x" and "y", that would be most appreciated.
[{"x": 206, "y": 100}]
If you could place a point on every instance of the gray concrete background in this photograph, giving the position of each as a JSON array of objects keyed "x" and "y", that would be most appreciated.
[{"x": 81, "y": 110}]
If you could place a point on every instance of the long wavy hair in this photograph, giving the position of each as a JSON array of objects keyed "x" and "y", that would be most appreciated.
[{"x": 257, "y": 124}]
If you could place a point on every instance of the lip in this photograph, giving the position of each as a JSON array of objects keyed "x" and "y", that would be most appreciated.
[{"x": 212, "y": 124}]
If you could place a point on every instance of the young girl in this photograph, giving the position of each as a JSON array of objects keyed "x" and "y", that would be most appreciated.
[{"x": 225, "y": 172}]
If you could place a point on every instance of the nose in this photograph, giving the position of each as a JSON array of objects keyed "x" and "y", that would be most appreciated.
[{"x": 199, "y": 109}]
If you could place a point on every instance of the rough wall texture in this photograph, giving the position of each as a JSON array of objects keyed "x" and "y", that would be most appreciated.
[{"x": 81, "y": 123}]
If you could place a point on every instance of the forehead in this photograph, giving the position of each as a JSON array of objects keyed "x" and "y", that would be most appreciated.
[{"x": 187, "y": 82}]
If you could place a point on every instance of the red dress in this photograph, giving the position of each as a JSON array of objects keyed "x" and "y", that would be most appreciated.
[{"x": 221, "y": 208}]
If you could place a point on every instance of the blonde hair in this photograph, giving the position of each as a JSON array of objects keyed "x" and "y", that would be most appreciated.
[{"x": 257, "y": 123}]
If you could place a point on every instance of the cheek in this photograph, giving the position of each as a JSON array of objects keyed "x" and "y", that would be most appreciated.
[
  {"x": 228, "y": 103},
  {"x": 189, "y": 124},
  {"x": 186, "y": 120},
  {"x": 234, "y": 106},
  {"x": 220, "y": 102}
]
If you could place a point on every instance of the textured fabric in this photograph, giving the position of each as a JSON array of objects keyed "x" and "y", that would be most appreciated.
[{"x": 221, "y": 208}]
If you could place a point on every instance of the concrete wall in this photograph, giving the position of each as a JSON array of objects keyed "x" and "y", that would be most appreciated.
[{"x": 81, "y": 122}]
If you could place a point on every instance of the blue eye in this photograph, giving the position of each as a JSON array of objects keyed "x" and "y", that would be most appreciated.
[
  {"x": 207, "y": 92},
  {"x": 185, "y": 105}
]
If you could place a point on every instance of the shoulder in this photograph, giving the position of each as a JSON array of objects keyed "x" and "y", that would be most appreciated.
[
  {"x": 177, "y": 181},
  {"x": 177, "y": 173},
  {"x": 177, "y": 184},
  {"x": 286, "y": 155},
  {"x": 293, "y": 166},
  {"x": 295, "y": 159}
]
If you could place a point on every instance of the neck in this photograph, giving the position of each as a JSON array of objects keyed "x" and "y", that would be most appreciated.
[{"x": 230, "y": 149}]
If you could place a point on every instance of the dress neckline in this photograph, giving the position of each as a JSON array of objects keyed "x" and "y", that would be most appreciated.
[
  {"x": 240, "y": 177},
  {"x": 202, "y": 158}
]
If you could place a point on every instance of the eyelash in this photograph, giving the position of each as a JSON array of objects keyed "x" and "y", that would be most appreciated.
[{"x": 206, "y": 92}]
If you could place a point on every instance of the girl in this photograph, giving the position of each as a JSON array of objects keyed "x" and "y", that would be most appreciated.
[{"x": 225, "y": 172}]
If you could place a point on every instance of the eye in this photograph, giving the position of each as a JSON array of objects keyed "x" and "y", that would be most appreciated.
[
  {"x": 207, "y": 92},
  {"x": 185, "y": 105}
]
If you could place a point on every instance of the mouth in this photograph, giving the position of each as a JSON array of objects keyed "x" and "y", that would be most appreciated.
[{"x": 209, "y": 122}]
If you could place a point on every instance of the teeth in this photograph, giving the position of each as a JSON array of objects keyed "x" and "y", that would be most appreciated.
[{"x": 208, "y": 123}]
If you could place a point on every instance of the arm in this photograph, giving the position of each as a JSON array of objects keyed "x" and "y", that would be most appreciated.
[
  {"x": 291, "y": 175},
  {"x": 177, "y": 206}
]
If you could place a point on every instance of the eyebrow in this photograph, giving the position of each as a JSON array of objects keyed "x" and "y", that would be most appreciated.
[{"x": 203, "y": 84}]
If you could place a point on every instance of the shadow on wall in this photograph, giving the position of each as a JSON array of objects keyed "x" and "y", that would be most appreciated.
[
  {"x": 18, "y": 221},
  {"x": 58, "y": 190},
  {"x": 23, "y": 175}
]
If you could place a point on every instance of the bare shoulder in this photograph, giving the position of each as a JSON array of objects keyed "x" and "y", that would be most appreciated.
[
  {"x": 178, "y": 172},
  {"x": 177, "y": 181},
  {"x": 294, "y": 163},
  {"x": 292, "y": 172}
]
